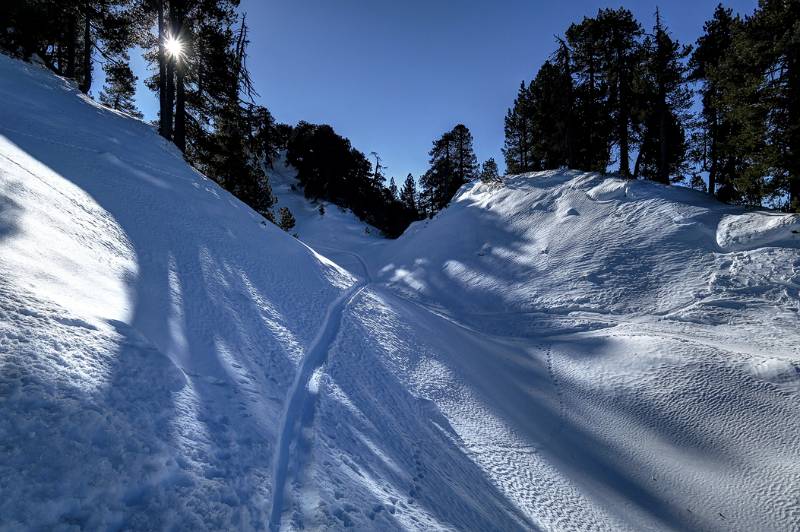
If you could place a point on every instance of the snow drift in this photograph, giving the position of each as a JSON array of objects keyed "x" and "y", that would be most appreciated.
[{"x": 567, "y": 351}]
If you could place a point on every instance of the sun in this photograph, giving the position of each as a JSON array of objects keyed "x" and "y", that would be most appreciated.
[{"x": 174, "y": 47}]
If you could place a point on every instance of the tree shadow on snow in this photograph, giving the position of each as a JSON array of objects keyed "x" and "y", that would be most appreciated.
[{"x": 184, "y": 396}]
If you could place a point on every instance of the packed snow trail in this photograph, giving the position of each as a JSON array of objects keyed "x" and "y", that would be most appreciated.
[{"x": 302, "y": 395}]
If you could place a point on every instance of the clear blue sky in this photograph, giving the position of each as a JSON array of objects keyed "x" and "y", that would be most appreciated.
[{"x": 393, "y": 75}]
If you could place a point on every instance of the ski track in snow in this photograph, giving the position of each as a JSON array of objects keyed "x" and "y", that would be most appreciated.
[{"x": 301, "y": 397}]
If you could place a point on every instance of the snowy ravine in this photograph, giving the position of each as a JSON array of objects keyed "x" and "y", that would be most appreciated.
[{"x": 566, "y": 351}]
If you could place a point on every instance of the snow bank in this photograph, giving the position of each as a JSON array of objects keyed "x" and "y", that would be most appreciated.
[
  {"x": 758, "y": 229},
  {"x": 150, "y": 325}
]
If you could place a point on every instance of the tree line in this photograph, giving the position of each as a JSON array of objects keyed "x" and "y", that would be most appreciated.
[{"x": 612, "y": 94}]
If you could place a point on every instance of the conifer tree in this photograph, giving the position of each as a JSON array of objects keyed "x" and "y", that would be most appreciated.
[
  {"x": 392, "y": 188},
  {"x": 408, "y": 194},
  {"x": 518, "y": 129},
  {"x": 591, "y": 138},
  {"x": 773, "y": 37},
  {"x": 489, "y": 172},
  {"x": 714, "y": 121},
  {"x": 120, "y": 87},
  {"x": 665, "y": 101},
  {"x": 619, "y": 39},
  {"x": 452, "y": 163},
  {"x": 286, "y": 220}
]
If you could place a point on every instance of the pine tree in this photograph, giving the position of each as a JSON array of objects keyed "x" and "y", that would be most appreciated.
[
  {"x": 452, "y": 163},
  {"x": 773, "y": 35},
  {"x": 286, "y": 220},
  {"x": 489, "y": 171},
  {"x": 591, "y": 139},
  {"x": 518, "y": 129},
  {"x": 392, "y": 188},
  {"x": 120, "y": 87},
  {"x": 408, "y": 194},
  {"x": 550, "y": 115},
  {"x": 665, "y": 101},
  {"x": 714, "y": 121},
  {"x": 619, "y": 38}
]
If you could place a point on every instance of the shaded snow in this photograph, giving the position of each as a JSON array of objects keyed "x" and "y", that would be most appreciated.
[{"x": 568, "y": 351}]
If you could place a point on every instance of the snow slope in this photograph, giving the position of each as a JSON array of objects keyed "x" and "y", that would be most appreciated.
[
  {"x": 564, "y": 352},
  {"x": 575, "y": 352},
  {"x": 150, "y": 325}
]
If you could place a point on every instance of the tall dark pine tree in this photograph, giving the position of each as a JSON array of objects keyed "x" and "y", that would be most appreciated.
[
  {"x": 619, "y": 38},
  {"x": 452, "y": 163},
  {"x": 665, "y": 100},
  {"x": 550, "y": 116},
  {"x": 591, "y": 139},
  {"x": 518, "y": 147},
  {"x": 408, "y": 194},
  {"x": 489, "y": 171},
  {"x": 714, "y": 122},
  {"x": 119, "y": 88},
  {"x": 774, "y": 34},
  {"x": 744, "y": 104},
  {"x": 466, "y": 164}
]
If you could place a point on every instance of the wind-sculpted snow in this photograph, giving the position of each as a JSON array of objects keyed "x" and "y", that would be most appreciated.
[{"x": 564, "y": 351}]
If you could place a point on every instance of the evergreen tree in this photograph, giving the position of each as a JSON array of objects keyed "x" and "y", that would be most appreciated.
[
  {"x": 773, "y": 37},
  {"x": 392, "y": 188},
  {"x": 489, "y": 172},
  {"x": 665, "y": 101},
  {"x": 408, "y": 194},
  {"x": 591, "y": 138},
  {"x": 286, "y": 220},
  {"x": 619, "y": 39},
  {"x": 550, "y": 116},
  {"x": 714, "y": 121},
  {"x": 452, "y": 163},
  {"x": 120, "y": 87},
  {"x": 518, "y": 147}
]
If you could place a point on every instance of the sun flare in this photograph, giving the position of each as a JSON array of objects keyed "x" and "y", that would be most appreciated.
[{"x": 174, "y": 47}]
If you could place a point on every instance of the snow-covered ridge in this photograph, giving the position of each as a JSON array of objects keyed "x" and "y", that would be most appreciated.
[{"x": 572, "y": 241}]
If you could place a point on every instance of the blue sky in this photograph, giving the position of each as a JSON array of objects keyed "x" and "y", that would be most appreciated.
[{"x": 393, "y": 75}]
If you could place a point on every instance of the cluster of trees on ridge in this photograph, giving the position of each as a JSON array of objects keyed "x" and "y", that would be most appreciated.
[{"x": 611, "y": 90}]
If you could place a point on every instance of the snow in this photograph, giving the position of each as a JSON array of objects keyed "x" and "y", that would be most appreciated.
[{"x": 567, "y": 351}]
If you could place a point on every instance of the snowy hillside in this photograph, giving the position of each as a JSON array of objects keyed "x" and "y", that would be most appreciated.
[
  {"x": 564, "y": 352},
  {"x": 150, "y": 324}
]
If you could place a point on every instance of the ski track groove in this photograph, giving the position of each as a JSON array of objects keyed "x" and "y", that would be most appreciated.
[{"x": 299, "y": 393}]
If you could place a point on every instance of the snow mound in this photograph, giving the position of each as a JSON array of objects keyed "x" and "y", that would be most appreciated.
[
  {"x": 758, "y": 229},
  {"x": 610, "y": 189}
]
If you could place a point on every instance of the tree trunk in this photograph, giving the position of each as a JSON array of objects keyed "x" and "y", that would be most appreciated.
[
  {"x": 663, "y": 147},
  {"x": 793, "y": 97},
  {"x": 176, "y": 22},
  {"x": 714, "y": 169},
  {"x": 72, "y": 37},
  {"x": 164, "y": 120},
  {"x": 86, "y": 82},
  {"x": 623, "y": 118}
]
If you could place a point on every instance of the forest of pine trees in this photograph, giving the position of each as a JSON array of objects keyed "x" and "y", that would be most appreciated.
[{"x": 616, "y": 96}]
